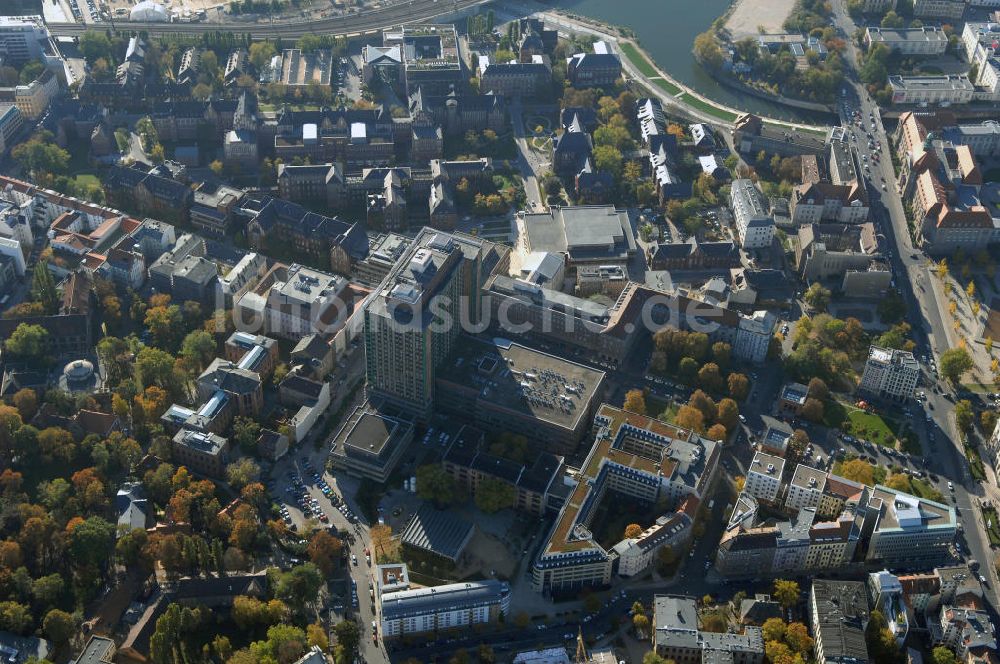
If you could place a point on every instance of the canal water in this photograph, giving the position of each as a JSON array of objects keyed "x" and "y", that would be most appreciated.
[{"x": 666, "y": 30}]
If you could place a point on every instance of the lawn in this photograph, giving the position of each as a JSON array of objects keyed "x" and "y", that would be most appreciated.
[
  {"x": 975, "y": 463},
  {"x": 656, "y": 406},
  {"x": 667, "y": 86},
  {"x": 722, "y": 114},
  {"x": 637, "y": 59},
  {"x": 992, "y": 527},
  {"x": 87, "y": 180},
  {"x": 870, "y": 426}
]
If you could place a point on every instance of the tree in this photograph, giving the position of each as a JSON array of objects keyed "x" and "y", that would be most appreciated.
[
  {"x": 716, "y": 432},
  {"x": 798, "y": 639},
  {"x": 91, "y": 541},
  {"x": 198, "y": 349},
  {"x": 943, "y": 655},
  {"x": 817, "y": 296},
  {"x": 635, "y": 402},
  {"x": 242, "y": 472},
  {"x": 493, "y": 495},
  {"x": 710, "y": 377},
  {"x": 640, "y": 623},
  {"x": 707, "y": 50},
  {"x": 28, "y": 342},
  {"x": 964, "y": 417},
  {"x": 955, "y": 362},
  {"x": 818, "y": 389},
  {"x": 690, "y": 417},
  {"x": 43, "y": 288},
  {"x": 299, "y": 586},
  {"x": 316, "y": 636},
  {"x": 26, "y": 402},
  {"x": 59, "y": 626},
  {"x": 774, "y": 630},
  {"x": 246, "y": 432},
  {"x": 436, "y": 485},
  {"x": 165, "y": 324},
  {"x": 632, "y": 531},
  {"x": 348, "y": 636},
  {"x": 324, "y": 551},
  {"x": 608, "y": 158},
  {"x": 739, "y": 386},
  {"x": 216, "y": 167},
  {"x": 858, "y": 471},
  {"x": 728, "y": 414},
  {"x": 93, "y": 45},
  {"x": 812, "y": 410},
  {"x": 786, "y": 592}
]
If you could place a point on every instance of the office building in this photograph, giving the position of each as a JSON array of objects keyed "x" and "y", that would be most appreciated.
[
  {"x": 455, "y": 606},
  {"x": 636, "y": 457},
  {"x": 943, "y": 89},
  {"x": 925, "y": 40},
  {"x": 22, "y": 38},
  {"x": 201, "y": 451},
  {"x": 502, "y": 385},
  {"x": 890, "y": 372},
  {"x": 909, "y": 530},
  {"x": 754, "y": 224},
  {"x": 939, "y": 9},
  {"x": 406, "y": 339},
  {"x": 370, "y": 444}
]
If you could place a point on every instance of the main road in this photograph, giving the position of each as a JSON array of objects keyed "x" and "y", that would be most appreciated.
[
  {"x": 941, "y": 440},
  {"x": 409, "y": 11}
]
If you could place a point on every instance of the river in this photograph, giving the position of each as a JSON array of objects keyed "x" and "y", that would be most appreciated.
[{"x": 666, "y": 30}]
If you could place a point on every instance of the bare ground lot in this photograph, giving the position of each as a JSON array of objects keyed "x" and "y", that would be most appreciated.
[{"x": 749, "y": 16}]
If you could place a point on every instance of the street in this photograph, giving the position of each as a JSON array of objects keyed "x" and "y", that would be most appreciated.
[{"x": 941, "y": 441}]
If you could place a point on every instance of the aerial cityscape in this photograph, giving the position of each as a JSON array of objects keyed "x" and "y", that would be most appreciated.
[{"x": 499, "y": 331}]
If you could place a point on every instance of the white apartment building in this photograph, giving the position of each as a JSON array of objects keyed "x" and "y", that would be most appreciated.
[
  {"x": 763, "y": 478},
  {"x": 453, "y": 606},
  {"x": 805, "y": 490},
  {"x": 754, "y": 224},
  {"x": 944, "y": 90},
  {"x": 890, "y": 373},
  {"x": 926, "y": 40},
  {"x": 11, "y": 247},
  {"x": 753, "y": 336}
]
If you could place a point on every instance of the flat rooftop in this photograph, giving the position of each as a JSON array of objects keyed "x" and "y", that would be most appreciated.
[
  {"x": 524, "y": 381},
  {"x": 904, "y": 512}
]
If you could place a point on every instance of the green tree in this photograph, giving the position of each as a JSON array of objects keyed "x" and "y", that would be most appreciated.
[
  {"x": 242, "y": 472},
  {"x": 91, "y": 542},
  {"x": 817, "y": 296},
  {"x": 436, "y": 485},
  {"x": 955, "y": 362},
  {"x": 246, "y": 432},
  {"x": 348, "y": 636},
  {"x": 43, "y": 288},
  {"x": 299, "y": 586},
  {"x": 28, "y": 342},
  {"x": 94, "y": 45},
  {"x": 943, "y": 655},
  {"x": 493, "y": 495},
  {"x": 706, "y": 49},
  {"x": 786, "y": 592},
  {"x": 608, "y": 158},
  {"x": 59, "y": 626},
  {"x": 198, "y": 349},
  {"x": 964, "y": 417}
]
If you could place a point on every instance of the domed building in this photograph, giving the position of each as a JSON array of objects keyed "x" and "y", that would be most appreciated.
[
  {"x": 79, "y": 376},
  {"x": 149, "y": 11}
]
